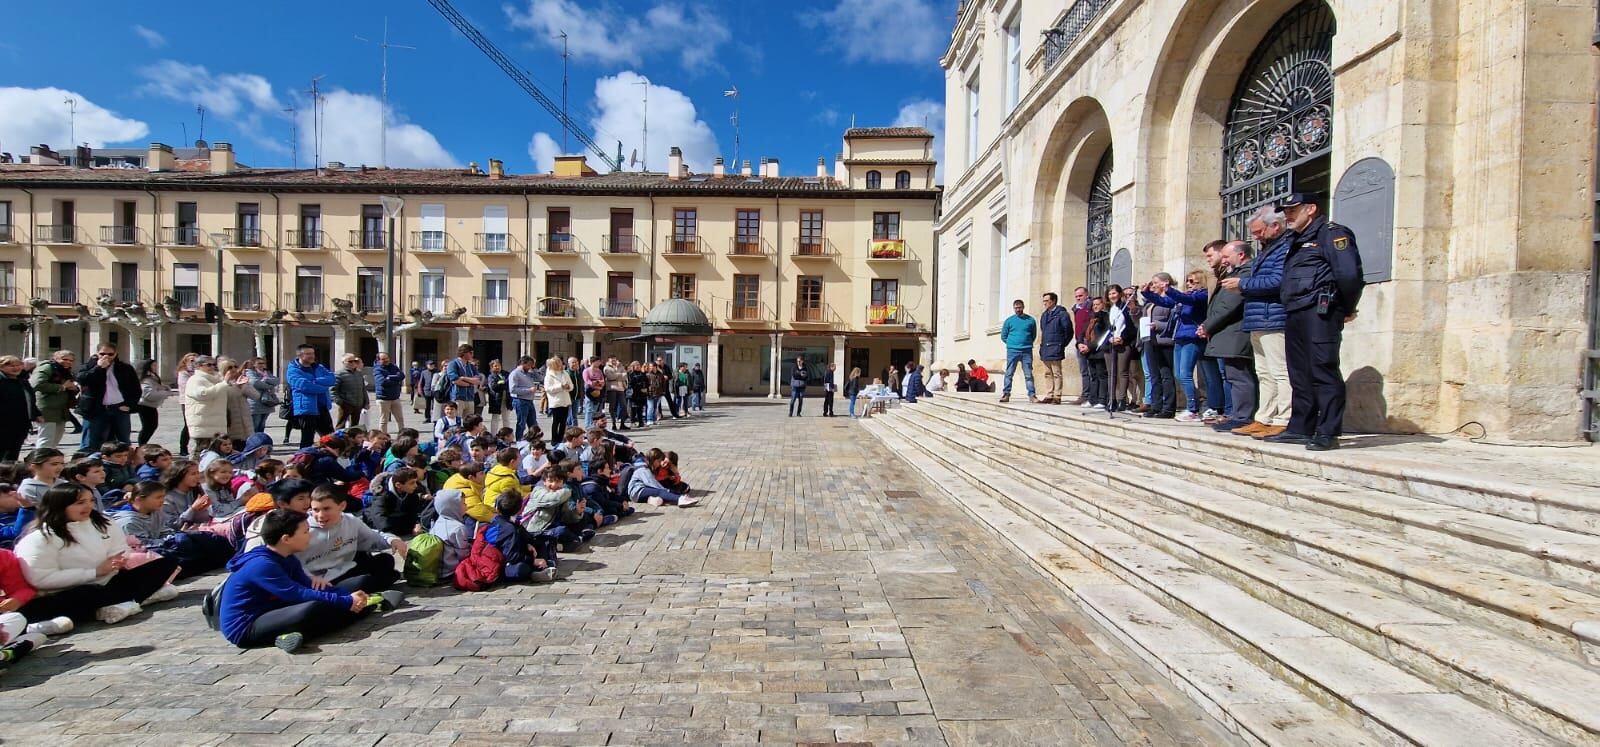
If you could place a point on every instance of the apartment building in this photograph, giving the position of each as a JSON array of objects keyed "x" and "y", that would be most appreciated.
[{"x": 835, "y": 267}]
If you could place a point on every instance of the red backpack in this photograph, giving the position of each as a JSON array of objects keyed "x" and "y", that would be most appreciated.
[{"x": 482, "y": 566}]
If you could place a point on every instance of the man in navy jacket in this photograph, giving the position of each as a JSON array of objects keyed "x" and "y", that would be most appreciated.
[
  {"x": 386, "y": 381},
  {"x": 1055, "y": 333},
  {"x": 1264, "y": 319}
]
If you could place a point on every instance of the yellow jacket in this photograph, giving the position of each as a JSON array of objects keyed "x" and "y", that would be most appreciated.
[
  {"x": 471, "y": 497},
  {"x": 500, "y": 479}
]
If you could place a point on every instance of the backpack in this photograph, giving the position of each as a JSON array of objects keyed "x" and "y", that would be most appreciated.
[
  {"x": 211, "y": 606},
  {"x": 482, "y": 566},
  {"x": 423, "y": 557},
  {"x": 286, "y": 403},
  {"x": 358, "y": 491},
  {"x": 441, "y": 392}
]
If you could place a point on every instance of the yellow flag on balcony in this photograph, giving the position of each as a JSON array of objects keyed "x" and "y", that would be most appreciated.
[
  {"x": 888, "y": 248},
  {"x": 882, "y": 314}
]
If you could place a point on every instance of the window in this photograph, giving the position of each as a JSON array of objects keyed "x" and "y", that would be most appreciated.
[
  {"x": 430, "y": 292},
  {"x": 902, "y": 180},
  {"x": 247, "y": 223},
  {"x": 811, "y": 232},
  {"x": 1013, "y": 31},
  {"x": 997, "y": 272},
  {"x": 747, "y": 232},
  {"x": 963, "y": 282},
  {"x": 874, "y": 180},
  {"x": 685, "y": 227},
  {"x": 808, "y": 298},
  {"x": 560, "y": 220},
  {"x": 310, "y": 227},
  {"x": 125, "y": 282},
  {"x": 558, "y": 284},
  {"x": 622, "y": 230},
  {"x": 125, "y": 214},
  {"x": 186, "y": 284},
  {"x": 619, "y": 295},
  {"x": 746, "y": 297},
  {"x": 496, "y": 228},
  {"x": 885, "y": 226},
  {"x": 972, "y": 119},
  {"x": 6, "y": 234},
  {"x": 496, "y": 294},
  {"x": 885, "y": 307},
  {"x": 683, "y": 286},
  {"x": 371, "y": 228},
  {"x": 8, "y": 282},
  {"x": 187, "y": 231},
  {"x": 246, "y": 288},
  {"x": 433, "y": 236},
  {"x": 369, "y": 290},
  {"x": 308, "y": 289}
]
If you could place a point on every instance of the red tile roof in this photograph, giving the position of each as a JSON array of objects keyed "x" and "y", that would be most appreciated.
[{"x": 867, "y": 132}]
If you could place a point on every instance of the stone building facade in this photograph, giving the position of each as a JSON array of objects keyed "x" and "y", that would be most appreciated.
[
  {"x": 835, "y": 265},
  {"x": 1102, "y": 141}
]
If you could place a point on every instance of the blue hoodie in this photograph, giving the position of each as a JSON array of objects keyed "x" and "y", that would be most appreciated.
[{"x": 263, "y": 581}]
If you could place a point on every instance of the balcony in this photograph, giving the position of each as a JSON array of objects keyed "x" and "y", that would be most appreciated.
[
  {"x": 8, "y": 295},
  {"x": 555, "y": 307},
  {"x": 749, "y": 312},
  {"x": 813, "y": 247},
  {"x": 120, "y": 236},
  {"x": 626, "y": 245},
  {"x": 304, "y": 302},
  {"x": 431, "y": 303},
  {"x": 121, "y": 295},
  {"x": 686, "y": 246},
  {"x": 187, "y": 236},
  {"x": 59, "y": 296},
  {"x": 888, "y": 250},
  {"x": 484, "y": 306},
  {"x": 886, "y": 314},
  {"x": 558, "y": 244},
  {"x": 60, "y": 234},
  {"x": 242, "y": 238},
  {"x": 1060, "y": 39},
  {"x": 747, "y": 247},
  {"x": 306, "y": 239},
  {"x": 242, "y": 301},
  {"x": 619, "y": 308},
  {"x": 430, "y": 241},
  {"x": 363, "y": 240},
  {"x": 188, "y": 298},
  {"x": 8, "y": 233},
  {"x": 368, "y": 302},
  {"x": 804, "y": 313},
  {"x": 492, "y": 243}
]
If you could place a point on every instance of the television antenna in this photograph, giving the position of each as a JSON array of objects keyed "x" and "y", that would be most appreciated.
[
  {"x": 383, "y": 109},
  {"x": 72, "y": 119}
]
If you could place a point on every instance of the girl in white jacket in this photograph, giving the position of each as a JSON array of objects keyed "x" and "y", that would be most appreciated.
[{"x": 76, "y": 559}]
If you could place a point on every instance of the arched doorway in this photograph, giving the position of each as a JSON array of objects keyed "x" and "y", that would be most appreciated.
[
  {"x": 1279, "y": 130},
  {"x": 1097, "y": 262}
]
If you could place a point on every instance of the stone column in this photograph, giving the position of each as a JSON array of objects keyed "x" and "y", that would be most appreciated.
[
  {"x": 773, "y": 388},
  {"x": 96, "y": 334},
  {"x": 463, "y": 337},
  {"x": 341, "y": 343},
  {"x": 589, "y": 350},
  {"x": 280, "y": 347},
  {"x": 838, "y": 359},
  {"x": 714, "y": 368},
  {"x": 925, "y": 346},
  {"x": 528, "y": 345}
]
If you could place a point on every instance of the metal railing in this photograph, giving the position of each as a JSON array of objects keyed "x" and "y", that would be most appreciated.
[
  {"x": 433, "y": 304},
  {"x": 56, "y": 234},
  {"x": 363, "y": 240},
  {"x": 748, "y": 247},
  {"x": 486, "y": 306},
  {"x": 1058, "y": 40},
  {"x": 121, "y": 295},
  {"x": 242, "y": 238},
  {"x": 813, "y": 247},
  {"x": 242, "y": 300},
  {"x": 885, "y": 314},
  {"x": 122, "y": 235},
  {"x": 8, "y": 233},
  {"x": 181, "y": 236},
  {"x": 557, "y": 243},
  {"x": 807, "y": 314},
  {"x": 301, "y": 239},
  {"x": 430, "y": 241},
  {"x": 8, "y": 295},
  {"x": 59, "y": 296},
  {"x": 619, "y": 308},
  {"x": 624, "y": 244},
  {"x": 758, "y": 312},
  {"x": 188, "y": 298},
  {"x": 492, "y": 243},
  {"x": 368, "y": 302},
  {"x": 304, "y": 302},
  {"x": 686, "y": 245},
  {"x": 887, "y": 250},
  {"x": 554, "y": 306}
]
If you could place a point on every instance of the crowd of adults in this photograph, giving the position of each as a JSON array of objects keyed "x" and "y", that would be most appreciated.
[
  {"x": 1248, "y": 345},
  {"x": 317, "y": 539}
]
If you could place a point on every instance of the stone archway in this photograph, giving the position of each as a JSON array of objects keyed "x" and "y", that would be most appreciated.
[{"x": 1079, "y": 140}]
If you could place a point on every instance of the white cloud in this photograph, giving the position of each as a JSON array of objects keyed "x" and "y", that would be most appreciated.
[
  {"x": 227, "y": 95},
  {"x": 350, "y": 134},
  {"x": 905, "y": 31},
  {"x": 619, "y": 103},
  {"x": 543, "y": 150},
  {"x": 150, "y": 36},
  {"x": 30, "y": 116},
  {"x": 614, "y": 36},
  {"x": 929, "y": 114}
]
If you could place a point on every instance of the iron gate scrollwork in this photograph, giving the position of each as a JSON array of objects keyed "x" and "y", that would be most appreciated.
[{"x": 1097, "y": 267}]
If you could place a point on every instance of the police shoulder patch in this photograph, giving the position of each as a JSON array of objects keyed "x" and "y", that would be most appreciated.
[{"x": 1341, "y": 243}]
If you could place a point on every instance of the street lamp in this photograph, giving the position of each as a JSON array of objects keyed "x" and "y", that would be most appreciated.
[
  {"x": 391, "y": 208},
  {"x": 218, "y": 239}
]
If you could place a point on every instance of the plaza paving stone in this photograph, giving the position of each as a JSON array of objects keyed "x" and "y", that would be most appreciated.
[{"x": 821, "y": 593}]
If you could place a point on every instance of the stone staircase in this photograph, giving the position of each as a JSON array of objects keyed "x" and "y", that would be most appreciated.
[{"x": 1302, "y": 598}]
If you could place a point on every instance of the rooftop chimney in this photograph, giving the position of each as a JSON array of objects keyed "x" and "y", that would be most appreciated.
[
  {"x": 497, "y": 169},
  {"x": 839, "y": 172},
  {"x": 573, "y": 165},
  {"x": 822, "y": 167},
  {"x": 43, "y": 156},
  {"x": 675, "y": 163},
  {"x": 745, "y": 169},
  {"x": 83, "y": 158},
  {"x": 771, "y": 169},
  {"x": 717, "y": 168},
  {"x": 222, "y": 160},
  {"x": 472, "y": 168},
  {"x": 160, "y": 158}
]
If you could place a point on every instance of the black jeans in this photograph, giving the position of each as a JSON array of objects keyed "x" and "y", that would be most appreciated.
[
  {"x": 80, "y": 602},
  {"x": 1165, "y": 390},
  {"x": 183, "y": 435},
  {"x": 373, "y": 573},
  {"x": 1097, "y": 379},
  {"x": 310, "y": 619},
  {"x": 827, "y": 404},
  {"x": 149, "y": 418},
  {"x": 558, "y": 424},
  {"x": 311, "y": 426}
]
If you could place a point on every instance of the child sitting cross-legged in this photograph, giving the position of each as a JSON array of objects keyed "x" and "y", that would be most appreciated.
[
  {"x": 151, "y": 536},
  {"x": 451, "y": 527},
  {"x": 344, "y": 551},
  {"x": 550, "y": 514},
  {"x": 527, "y": 557},
  {"x": 270, "y": 599},
  {"x": 76, "y": 558}
]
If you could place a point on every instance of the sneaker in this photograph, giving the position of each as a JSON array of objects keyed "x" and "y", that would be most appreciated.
[
  {"x": 53, "y": 626},
  {"x": 289, "y": 642},
  {"x": 166, "y": 593},
  {"x": 113, "y": 614},
  {"x": 1187, "y": 417},
  {"x": 587, "y": 534},
  {"x": 546, "y": 575},
  {"x": 608, "y": 520},
  {"x": 1086, "y": 404},
  {"x": 655, "y": 500},
  {"x": 1209, "y": 414},
  {"x": 686, "y": 502}
]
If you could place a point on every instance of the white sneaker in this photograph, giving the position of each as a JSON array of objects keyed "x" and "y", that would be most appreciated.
[
  {"x": 1088, "y": 405},
  {"x": 166, "y": 593},
  {"x": 54, "y": 626},
  {"x": 545, "y": 575},
  {"x": 655, "y": 500},
  {"x": 116, "y": 613},
  {"x": 686, "y": 502},
  {"x": 1187, "y": 417},
  {"x": 1209, "y": 413}
]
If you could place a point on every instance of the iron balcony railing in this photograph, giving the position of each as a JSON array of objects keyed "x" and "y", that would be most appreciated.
[
  {"x": 557, "y": 243},
  {"x": 813, "y": 247},
  {"x": 556, "y": 306},
  {"x": 56, "y": 234},
  {"x": 692, "y": 246},
  {"x": 306, "y": 239},
  {"x": 121, "y": 295},
  {"x": 119, "y": 235},
  {"x": 304, "y": 302},
  {"x": 8, "y": 234},
  {"x": 620, "y": 244},
  {"x": 59, "y": 296},
  {"x": 491, "y": 307},
  {"x": 368, "y": 302},
  {"x": 8, "y": 295},
  {"x": 809, "y": 314},
  {"x": 748, "y": 312},
  {"x": 364, "y": 240},
  {"x": 188, "y": 298},
  {"x": 242, "y": 238},
  {"x": 430, "y": 241},
  {"x": 748, "y": 246},
  {"x": 429, "y": 302},
  {"x": 619, "y": 308},
  {"x": 492, "y": 243},
  {"x": 1059, "y": 39},
  {"x": 242, "y": 300},
  {"x": 181, "y": 236}
]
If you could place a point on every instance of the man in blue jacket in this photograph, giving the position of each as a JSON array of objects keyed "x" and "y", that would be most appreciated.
[
  {"x": 1018, "y": 334},
  {"x": 1055, "y": 331},
  {"x": 386, "y": 380},
  {"x": 309, "y": 400},
  {"x": 1264, "y": 319}
]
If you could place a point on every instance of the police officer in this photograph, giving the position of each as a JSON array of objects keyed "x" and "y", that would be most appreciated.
[{"x": 1321, "y": 288}]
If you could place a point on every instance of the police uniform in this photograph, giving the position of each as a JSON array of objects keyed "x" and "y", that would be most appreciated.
[{"x": 1322, "y": 284}]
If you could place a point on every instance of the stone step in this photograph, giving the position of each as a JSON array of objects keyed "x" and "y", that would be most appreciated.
[
  {"x": 1194, "y": 564},
  {"x": 1560, "y": 556},
  {"x": 1460, "y": 478},
  {"x": 1232, "y": 652}
]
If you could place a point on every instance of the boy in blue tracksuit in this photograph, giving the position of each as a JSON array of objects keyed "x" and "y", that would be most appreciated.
[{"x": 1018, "y": 333}]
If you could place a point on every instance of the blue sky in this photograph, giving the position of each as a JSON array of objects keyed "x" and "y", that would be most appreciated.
[{"x": 138, "y": 70}]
